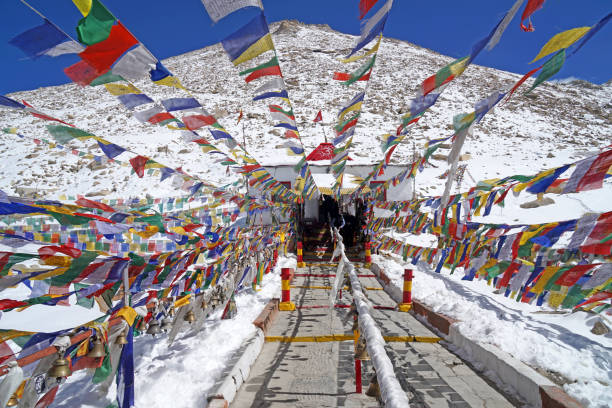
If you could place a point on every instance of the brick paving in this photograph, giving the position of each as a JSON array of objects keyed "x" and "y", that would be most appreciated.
[{"x": 312, "y": 374}]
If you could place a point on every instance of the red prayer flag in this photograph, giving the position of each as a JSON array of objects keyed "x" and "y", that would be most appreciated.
[
  {"x": 571, "y": 276},
  {"x": 103, "y": 55},
  {"x": 520, "y": 82},
  {"x": 531, "y": 7},
  {"x": 83, "y": 202},
  {"x": 239, "y": 117},
  {"x": 47, "y": 399},
  {"x": 599, "y": 296},
  {"x": 138, "y": 164},
  {"x": 268, "y": 71},
  {"x": 82, "y": 73},
  {"x": 195, "y": 122},
  {"x": 593, "y": 179},
  {"x": 365, "y": 6},
  {"x": 160, "y": 117},
  {"x": 318, "y": 118}
]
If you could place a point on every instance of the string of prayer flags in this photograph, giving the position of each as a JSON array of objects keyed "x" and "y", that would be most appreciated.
[
  {"x": 531, "y": 7},
  {"x": 45, "y": 39},
  {"x": 217, "y": 9}
]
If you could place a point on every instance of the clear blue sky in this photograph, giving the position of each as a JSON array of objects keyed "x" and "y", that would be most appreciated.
[{"x": 450, "y": 27}]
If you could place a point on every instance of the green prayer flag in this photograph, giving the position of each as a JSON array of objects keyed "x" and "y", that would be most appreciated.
[
  {"x": 273, "y": 62},
  {"x": 106, "y": 79},
  {"x": 550, "y": 68},
  {"x": 361, "y": 71},
  {"x": 104, "y": 370},
  {"x": 64, "y": 134},
  {"x": 96, "y": 26},
  {"x": 77, "y": 266}
]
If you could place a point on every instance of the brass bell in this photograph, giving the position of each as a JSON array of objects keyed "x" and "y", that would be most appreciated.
[
  {"x": 203, "y": 305},
  {"x": 361, "y": 351},
  {"x": 374, "y": 388},
  {"x": 97, "y": 350},
  {"x": 60, "y": 368},
  {"x": 153, "y": 327},
  {"x": 121, "y": 339},
  {"x": 142, "y": 326},
  {"x": 166, "y": 325},
  {"x": 13, "y": 401},
  {"x": 190, "y": 317}
]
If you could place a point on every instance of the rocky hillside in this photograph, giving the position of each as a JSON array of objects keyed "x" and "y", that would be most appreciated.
[{"x": 555, "y": 124}]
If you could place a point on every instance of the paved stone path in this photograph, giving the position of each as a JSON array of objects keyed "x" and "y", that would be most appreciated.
[{"x": 309, "y": 374}]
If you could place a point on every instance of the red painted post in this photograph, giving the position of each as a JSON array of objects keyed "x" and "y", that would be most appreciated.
[
  {"x": 406, "y": 304},
  {"x": 368, "y": 254},
  {"x": 275, "y": 257},
  {"x": 286, "y": 304},
  {"x": 358, "y": 376}
]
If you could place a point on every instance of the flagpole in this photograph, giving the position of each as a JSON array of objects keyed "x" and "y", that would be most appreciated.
[{"x": 324, "y": 134}]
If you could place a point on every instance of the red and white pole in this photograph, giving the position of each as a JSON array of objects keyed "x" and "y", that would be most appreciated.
[
  {"x": 286, "y": 304},
  {"x": 368, "y": 255},
  {"x": 406, "y": 304}
]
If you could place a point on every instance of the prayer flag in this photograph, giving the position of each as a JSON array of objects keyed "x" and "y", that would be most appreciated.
[
  {"x": 63, "y": 134},
  {"x": 138, "y": 164},
  {"x": 561, "y": 40},
  {"x": 131, "y": 101},
  {"x": 135, "y": 63},
  {"x": 274, "y": 83},
  {"x": 175, "y": 104},
  {"x": 531, "y": 7},
  {"x": 282, "y": 94},
  {"x": 195, "y": 122},
  {"x": 592, "y": 32},
  {"x": 239, "y": 117},
  {"x": 503, "y": 24},
  {"x": 45, "y": 39},
  {"x": 318, "y": 118},
  {"x": 372, "y": 27},
  {"x": 217, "y": 9},
  {"x": 111, "y": 150},
  {"x": 102, "y": 55},
  {"x": 550, "y": 68},
  {"x": 269, "y": 68},
  {"x": 97, "y": 22},
  {"x": 365, "y": 6},
  {"x": 238, "y": 44},
  {"x": 82, "y": 73},
  {"x": 125, "y": 373}
]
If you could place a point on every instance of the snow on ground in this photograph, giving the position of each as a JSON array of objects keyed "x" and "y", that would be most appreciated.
[
  {"x": 560, "y": 344},
  {"x": 190, "y": 366}
]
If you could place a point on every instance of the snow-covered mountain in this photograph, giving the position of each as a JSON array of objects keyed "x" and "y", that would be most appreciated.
[{"x": 556, "y": 124}]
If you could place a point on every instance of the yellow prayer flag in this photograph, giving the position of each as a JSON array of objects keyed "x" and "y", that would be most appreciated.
[
  {"x": 259, "y": 47},
  {"x": 84, "y": 6},
  {"x": 548, "y": 273},
  {"x": 170, "y": 81},
  {"x": 182, "y": 302},
  {"x": 561, "y": 40},
  {"x": 128, "y": 314},
  {"x": 83, "y": 348},
  {"x": 367, "y": 54},
  {"x": 120, "y": 89}
]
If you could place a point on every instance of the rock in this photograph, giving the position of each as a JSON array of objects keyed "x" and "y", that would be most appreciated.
[
  {"x": 97, "y": 193},
  {"x": 600, "y": 328},
  {"x": 183, "y": 151},
  {"x": 162, "y": 149},
  {"x": 538, "y": 203},
  {"x": 437, "y": 156},
  {"x": 550, "y": 155},
  {"x": 465, "y": 157}
]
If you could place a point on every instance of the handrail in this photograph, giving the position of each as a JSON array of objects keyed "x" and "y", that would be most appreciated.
[{"x": 390, "y": 389}]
